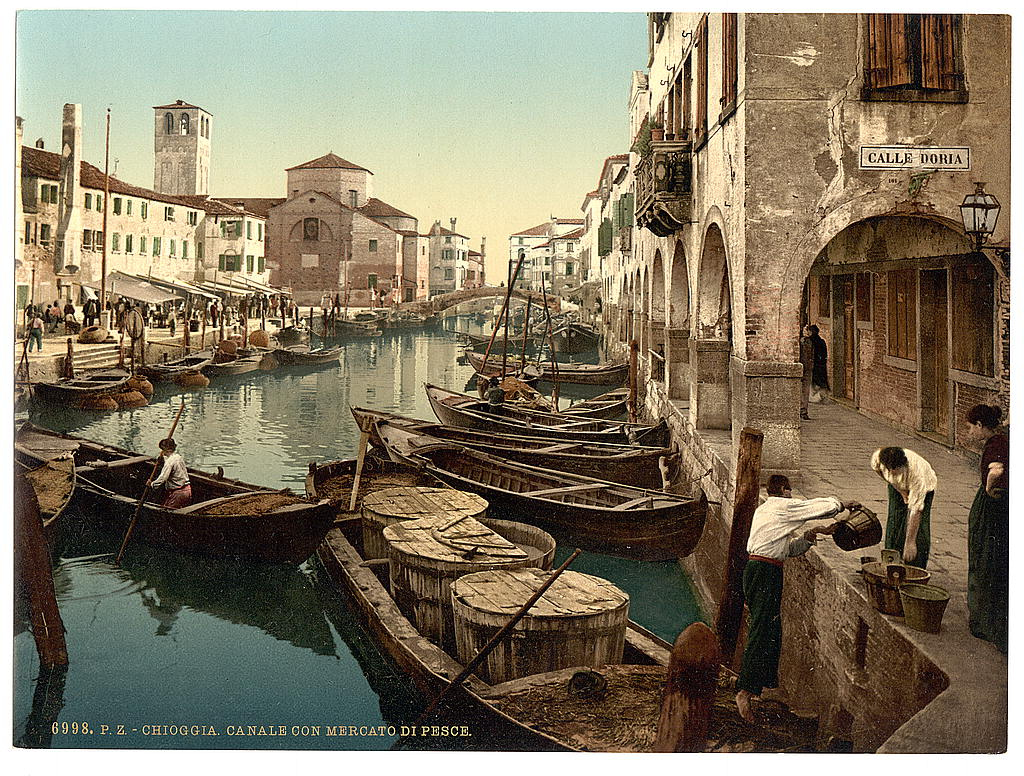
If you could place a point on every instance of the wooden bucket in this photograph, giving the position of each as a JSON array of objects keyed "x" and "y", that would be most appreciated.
[
  {"x": 861, "y": 530},
  {"x": 580, "y": 621},
  {"x": 393, "y": 505},
  {"x": 883, "y": 582},
  {"x": 923, "y": 606},
  {"x": 428, "y": 554}
]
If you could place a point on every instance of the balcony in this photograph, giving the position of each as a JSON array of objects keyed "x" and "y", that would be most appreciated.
[{"x": 663, "y": 195}]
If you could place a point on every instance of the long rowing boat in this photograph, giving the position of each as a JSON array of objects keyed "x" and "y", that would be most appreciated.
[
  {"x": 100, "y": 382},
  {"x": 228, "y": 518},
  {"x": 169, "y": 370},
  {"x": 458, "y": 409},
  {"x": 585, "y": 374},
  {"x": 302, "y": 355},
  {"x": 607, "y": 406},
  {"x": 600, "y": 515},
  {"x": 492, "y": 368},
  {"x": 626, "y": 464}
]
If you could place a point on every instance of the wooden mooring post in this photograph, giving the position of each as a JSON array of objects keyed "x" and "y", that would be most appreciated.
[
  {"x": 33, "y": 571},
  {"x": 748, "y": 487},
  {"x": 689, "y": 693}
]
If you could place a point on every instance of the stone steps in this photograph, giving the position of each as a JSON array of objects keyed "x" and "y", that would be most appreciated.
[{"x": 96, "y": 357}]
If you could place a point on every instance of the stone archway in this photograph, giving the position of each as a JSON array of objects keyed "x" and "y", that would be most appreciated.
[
  {"x": 643, "y": 324},
  {"x": 656, "y": 319},
  {"x": 677, "y": 330},
  {"x": 710, "y": 393}
]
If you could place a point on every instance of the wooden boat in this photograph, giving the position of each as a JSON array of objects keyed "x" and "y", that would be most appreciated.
[
  {"x": 292, "y": 335},
  {"x": 100, "y": 382},
  {"x": 575, "y": 338},
  {"x": 585, "y": 374},
  {"x": 168, "y": 370},
  {"x": 600, "y": 515},
  {"x": 228, "y": 518},
  {"x": 626, "y": 464},
  {"x": 458, "y": 409},
  {"x": 341, "y": 327},
  {"x": 53, "y": 481},
  {"x": 607, "y": 406},
  {"x": 239, "y": 363},
  {"x": 302, "y": 355},
  {"x": 492, "y": 368}
]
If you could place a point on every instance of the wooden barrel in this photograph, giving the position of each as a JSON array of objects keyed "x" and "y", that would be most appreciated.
[
  {"x": 538, "y": 544},
  {"x": 579, "y": 621},
  {"x": 392, "y": 505},
  {"x": 428, "y": 554}
]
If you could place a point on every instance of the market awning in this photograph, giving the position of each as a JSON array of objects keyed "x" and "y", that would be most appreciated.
[
  {"x": 257, "y": 286},
  {"x": 183, "y": 286},
  {"x": 224, "y": 288},
  {"x": 135, "y": 288}
]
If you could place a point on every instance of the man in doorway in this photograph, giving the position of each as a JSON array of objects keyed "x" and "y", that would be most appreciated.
[
  {"x": 807, "y": 361},
  {"x": 911, "y": 485},
  {"x": 773, "y": 539}
]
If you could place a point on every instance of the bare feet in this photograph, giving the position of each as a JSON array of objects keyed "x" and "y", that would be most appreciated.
[{"x": 743, "y": 705}]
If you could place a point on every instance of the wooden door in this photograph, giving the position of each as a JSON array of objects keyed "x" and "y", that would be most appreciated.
[{"x": 934, "y": 339}]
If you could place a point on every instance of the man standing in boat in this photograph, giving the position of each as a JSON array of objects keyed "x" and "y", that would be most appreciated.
[
  {"x": 495, "y": 397},
  {"x": 173, "y": 477},
  {"x": 772, "y": 540}
]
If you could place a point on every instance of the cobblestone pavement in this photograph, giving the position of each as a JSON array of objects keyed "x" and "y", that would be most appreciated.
[{"x": 837, "y": 444}]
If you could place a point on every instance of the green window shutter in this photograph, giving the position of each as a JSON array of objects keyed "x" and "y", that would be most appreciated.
[
  {"x": 99, "y": 202},
  {"x": 200, "y": 250},
  {"x": 261, "y": 264},
  {"x": 220, "y": 263},
  {"x": 223, "y": 229},
  {"x": 184, "y": 249},
  {"x": 248, "y": 230},
  {"x": 249, "y": 263},
  {"x": 117, "y": 206},
  {"x": 88, "y": 201}
]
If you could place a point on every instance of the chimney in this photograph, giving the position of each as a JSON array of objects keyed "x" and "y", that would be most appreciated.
[
  {"x": 67, "y": 248},
  {"x": 483, "y": 249}
]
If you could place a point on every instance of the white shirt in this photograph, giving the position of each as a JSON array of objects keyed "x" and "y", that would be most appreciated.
[
  {"x": 916, "y": 479},
  {"x": 773, "y": 531},
  {"x": 174, "y": 473}
]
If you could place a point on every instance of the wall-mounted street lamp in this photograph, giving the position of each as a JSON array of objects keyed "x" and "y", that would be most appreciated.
[{"x": 979, "y": 212}]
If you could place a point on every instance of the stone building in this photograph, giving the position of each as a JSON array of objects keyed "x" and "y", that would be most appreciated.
[
  {"x": 810, "y": 168},
  {"x": 449, "y": 263},
  {"x": 330, "y": 236},
  {"x": 537, "y": 261},
  {"x": 561, "y": 262},
  {"x": 823, "y": 189}
]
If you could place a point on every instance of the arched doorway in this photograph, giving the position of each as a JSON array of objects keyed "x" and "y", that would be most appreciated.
[
  {"x": 711, "y": 397},
  {"x": 656, "y": 320},
  {"x": 677, "y": 332}
]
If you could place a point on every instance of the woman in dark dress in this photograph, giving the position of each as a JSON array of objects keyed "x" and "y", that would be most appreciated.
[
  {"x": 988, "y": 527},
  {"x": 819, "y": 374}
]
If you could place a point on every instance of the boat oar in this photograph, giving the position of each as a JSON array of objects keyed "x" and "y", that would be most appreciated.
[
  {"x": 145, "y": 490},
  {"x": 489, "y": 646},
  {"x": 364, "y": 437}
]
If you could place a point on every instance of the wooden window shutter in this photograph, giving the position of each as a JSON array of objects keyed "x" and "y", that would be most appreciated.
[
  {"x": 888, "y": 52},
  {"x": 701, "y": 123},
  {"x": 729, "y": 59},
  {"x": 938, "y": 61}
]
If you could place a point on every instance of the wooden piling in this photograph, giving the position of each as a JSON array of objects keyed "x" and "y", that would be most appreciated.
[
  {"x": 689, "y": 694},
  {"x": 33, "y": 570},
  {"x": 748, "y": 487}
]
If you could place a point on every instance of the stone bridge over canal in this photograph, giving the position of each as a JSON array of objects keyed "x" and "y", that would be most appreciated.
[{"x": 444, "y": 301}]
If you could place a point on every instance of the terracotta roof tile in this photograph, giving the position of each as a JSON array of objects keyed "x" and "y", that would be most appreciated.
[
  {"x": 328, "y": 160},
  {"x": 258, "y": 206},
  {"x": 375, "y": 208}
]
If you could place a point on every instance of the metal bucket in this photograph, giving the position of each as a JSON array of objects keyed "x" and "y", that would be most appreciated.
[
  {"x": 883, "y": 582},
  {"x": 862, "y": 529},
  {"x": 924, "y": 606}
]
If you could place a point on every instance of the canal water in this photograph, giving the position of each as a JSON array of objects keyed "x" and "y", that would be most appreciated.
[{"x": 166, "y": 643}]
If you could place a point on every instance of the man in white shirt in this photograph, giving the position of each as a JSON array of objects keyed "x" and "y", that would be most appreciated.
[
  {"x": 773, "y": 538},
  {"x": 911, "y": 485},
  {"x": 173, "y": 477}
]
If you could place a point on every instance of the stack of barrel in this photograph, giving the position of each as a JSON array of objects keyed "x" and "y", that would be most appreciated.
[{"x": 459, "y": 576}]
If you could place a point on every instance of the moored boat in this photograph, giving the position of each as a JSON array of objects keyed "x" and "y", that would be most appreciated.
[
  {"x": 292, "y": 335},
  {"x": 303, "y": 355},
  {"x": 607, "y": 406},
  {"x": 585, "y": 374},
  {"x": 99, "y": 382},
  {"x": 492, "y": 368},
  {"x": 600, "y": 515},
  {"x": 458, "y": 409},
  {"x": 575, "y": 338},
  {"x": 228, "y": 518},
  {"x": 169, "y": 370},
  {"x": 626, "y": 464},
  {"x": 53, "y": 481},
  {"x": 238, "y": 363}
]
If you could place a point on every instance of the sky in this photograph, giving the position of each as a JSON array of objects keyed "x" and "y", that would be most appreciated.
[{"x": 497, "y": 119}]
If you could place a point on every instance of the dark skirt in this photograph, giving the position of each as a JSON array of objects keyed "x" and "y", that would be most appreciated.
[
  {"x": 762, "y": 588},
  {"x": 896, "y": 527},
  {"x": 988, "y": 567}
]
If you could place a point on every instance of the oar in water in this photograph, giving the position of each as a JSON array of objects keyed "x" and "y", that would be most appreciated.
[
  {"x": 489, "y": 646},
  {"x": 145, "y": 490}
]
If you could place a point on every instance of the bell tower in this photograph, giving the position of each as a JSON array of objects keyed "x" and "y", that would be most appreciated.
[{"x": 181, "y": 145}]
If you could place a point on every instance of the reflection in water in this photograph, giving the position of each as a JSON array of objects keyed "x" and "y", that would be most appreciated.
[{"x": 168, "y": 638}]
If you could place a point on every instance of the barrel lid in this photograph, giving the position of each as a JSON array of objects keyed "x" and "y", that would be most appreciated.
[
  {"x": 411, "y": 502},
  {"x": 505, "y": 592},
  {"x": 452, "y": 540}
]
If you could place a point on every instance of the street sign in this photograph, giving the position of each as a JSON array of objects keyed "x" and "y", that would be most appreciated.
[{"x": 902, "y": 157}]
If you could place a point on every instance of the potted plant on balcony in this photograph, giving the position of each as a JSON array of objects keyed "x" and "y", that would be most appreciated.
[{"x": 657, "y": 130}]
